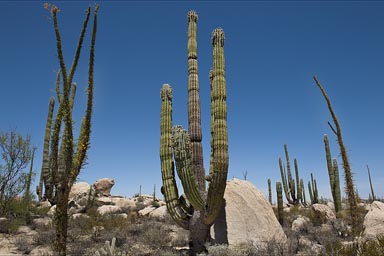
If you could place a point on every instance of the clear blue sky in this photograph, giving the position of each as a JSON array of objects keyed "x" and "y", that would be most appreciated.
[{"x": 272, "y": 50}]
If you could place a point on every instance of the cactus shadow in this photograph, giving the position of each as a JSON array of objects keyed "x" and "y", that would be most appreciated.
[{"x": 220, "y": 227}]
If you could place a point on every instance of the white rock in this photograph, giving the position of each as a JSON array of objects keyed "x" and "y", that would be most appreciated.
[
  {"x": 80, "y": 193},
  {"x": 108, "y": 209},
  {"x": 147, "y": 210},
  {"x": 159, "y": 213},
  {"x": 324, "y": 212},
  {"x": 374, "y": 221},
  {"x": 103, "y": 186},
  {"x": 300, "y": 224},
  {"x": 246, "y": 217},
  {"x": 125, "y": 204},
  {"x": 42, "y": 222},
  {"x": 80, "y": 216}
]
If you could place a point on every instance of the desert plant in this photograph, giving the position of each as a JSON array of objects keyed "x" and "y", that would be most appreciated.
[
  {"x": 65, "y": 164},
  {"x": 198, "y": 209},
  {"x": 373, "y": 198},
  {"x": 313, "y": 193},
  {"x": 292, "y": 188},
  {"x": 269, "y": 191},
  {"x": 333, "y": 173},
  {"x": 350, "y": 191},
  {"x": 16, "y": 153},
  {"x": 280, "y": 211},
  {"x": 110, "y": 249}
]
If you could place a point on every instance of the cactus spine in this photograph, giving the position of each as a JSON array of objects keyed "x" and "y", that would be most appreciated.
[
  {"x": 198, "y": 210},
  {"x": 373, "y": 198},
  {"x": 347, "y": 168},
  {"x": 333, "y": 172},
  {"x": 280, "y": 211},
  {"x": 269, "y": 191}
]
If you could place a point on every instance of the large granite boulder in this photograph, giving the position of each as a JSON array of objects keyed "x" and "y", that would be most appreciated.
[
  {"x": 246, "y": 216},
  {"x": 374, "y": 221},
  {"x": 324, "y": 212},
  {"x": 80, "y": 193},
  {"x": 103, "y": 186}
]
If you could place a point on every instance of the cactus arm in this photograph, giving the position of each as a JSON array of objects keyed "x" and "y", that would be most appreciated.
[
  {"x": 169, "y": 188},
  {"x": 315, "y": 191},
  {"x": 291, "y": 182},
  {"x": 182, "y": 154},
  {"x": 310, "y": 192},
  {"x": 370, "y": 184},
  {"x": 280, "y": 210},
  {"x": 330, "y": 167},
  {"x": 337, "y": 199},
  {"x": 269, "y": 191},
  {"x": 284, "y": 181},
  {"x": 45, "y": 176},
  {"x": 85, "y": 129},
  {"x": 220, "y": 159},
  {"x": 303, "y": 199},
  {"x": 194, "y": 112},
  {"x": 298, "y": 192}
]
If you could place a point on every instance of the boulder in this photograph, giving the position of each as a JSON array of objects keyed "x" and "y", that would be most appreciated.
[
  {"x": 125, "y": 204},
  {"x": 80, "y": 216},
  {"x": 324, "y": 212},
  {"x": 103, "y": 201},
  {"x": 103, "y": 186},
  {"x": 108, "y": 209},
  {"x": 374, "y": 221},
  {"x": 146, "y": 211},
  {"x": 246, "y": 216},
  {"x": 159, "y": 213},
  {"x": 80, "y": 193},
  {"x": 300, "y": 224},
  {"x": 42, "y": 222}
]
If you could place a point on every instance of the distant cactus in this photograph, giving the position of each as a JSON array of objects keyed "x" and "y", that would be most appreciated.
[
  {"x": 333, "y": 172},
  {"x": 280, "y": 211},
  {"x": 303, "y": 199},
  {"x": 313, "y": 193},
  {"x": 347, "y": 168},
  {"x": 27, "y": 194},
  {"x": 292, "y": 192},
  {"x": 110, "y": 249},
  {"x": 373, "y": 198},
  {"x": 198, "y": 209},
  {"x": 269, "y": 191}
]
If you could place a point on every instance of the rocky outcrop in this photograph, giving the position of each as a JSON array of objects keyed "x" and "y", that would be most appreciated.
[
  {"x": 103, "y": 186},
  {"x": 324, "y": 212},
  {"x": 80, "y": 193},
  {"x": 246, "y": 217},
  {"x": 159, "y": 213},
  {"x": 374, "y": 221},
  {"x": 300, "y": 224}
]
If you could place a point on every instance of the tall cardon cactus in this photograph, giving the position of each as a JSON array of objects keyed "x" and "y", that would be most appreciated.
[
  {"x": 198, "y": 209},
  {"x": 333, "y": 172},
  {"x": 280, "y": 206}
]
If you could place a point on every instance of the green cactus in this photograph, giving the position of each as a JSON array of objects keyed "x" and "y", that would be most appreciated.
[
  {"x": 333, "y": 172},
  {"x": 27, "y": 194},
  {"x": 373, "y": 198},
  {"x": 269, "y": 191},
  {"x": 198, "y": 209},
  {"x": 303, "y": 199},
  {"x": 61, "y": 167},
  {"x": 352, "y": 201},
  {"x": 280, "y": 211},
  {"x": 313, "y": 193},
  {"x": 292, "y": 192}
]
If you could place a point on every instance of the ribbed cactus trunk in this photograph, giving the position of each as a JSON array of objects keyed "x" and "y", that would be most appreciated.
[
  {"x": 291, "y": 182},
  {"x": 194, "y": 112},
  {"x": 269, "y": 191},
  {"x": 333, "y": 173},
  {"x": 280, "y": 210},
  {"x": 347, "y": 168},
  {"x": 198, "y": 209}
]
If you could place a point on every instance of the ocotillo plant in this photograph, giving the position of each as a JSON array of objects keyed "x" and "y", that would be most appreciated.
[
  {"x": 292, "y": 191},
  {"x": 313, "y": 193},
  {"x": 333, "y": 173},
  {"x": 269, "y": 191},
  {"x": 65, "y": 164},
  {"x": 347, "y": 168},
  {"x": 197, "y": 210},
  {"x": 373, "y": 198},
  {"x": 280, "y": 211}
]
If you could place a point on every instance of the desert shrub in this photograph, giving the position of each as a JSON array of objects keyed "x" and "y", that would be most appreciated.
[
  {"x": 44, "y": 236},
  {"x": 155, "y": 234},
  {"x": 218, "y": 250},
  {"x": 246, "y": 249},
  {"x": 23, "y": 245},
  {"x": 181, "y": 238}
]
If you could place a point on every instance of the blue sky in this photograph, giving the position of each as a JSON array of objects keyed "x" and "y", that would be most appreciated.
[{"x": 272, "y": 50}]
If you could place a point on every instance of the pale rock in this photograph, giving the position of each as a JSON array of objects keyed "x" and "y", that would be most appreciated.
[
  {"x": 147, "y": 210},
  {"x": 108, "y": 209},
  {"x": 23, "y": 230},
  {"x": 42, "y": 222},
  {"x": 80, "y": 216},
  {"x": 125, "y": 204},
  {"x": 374, "y": 221},
  {"x": 159, "y": 213},
  {"x": 74, "y": 207},
  {"x": 52, "y": 211},
  {"x": 122, "y": 215},
  {"x": 103, "y": 201},
  {"x": 300, "y": 224},
  {"x": 324, "y": 212},
  {"x": 246, "y": 216},
  {"x": 80, "y": 193},
  {"x": 103, "y": 186},
  {"x": 41, "y": 250},
  {"x": 44, "y": 204},
  {"x": 331, "y": 205}
]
